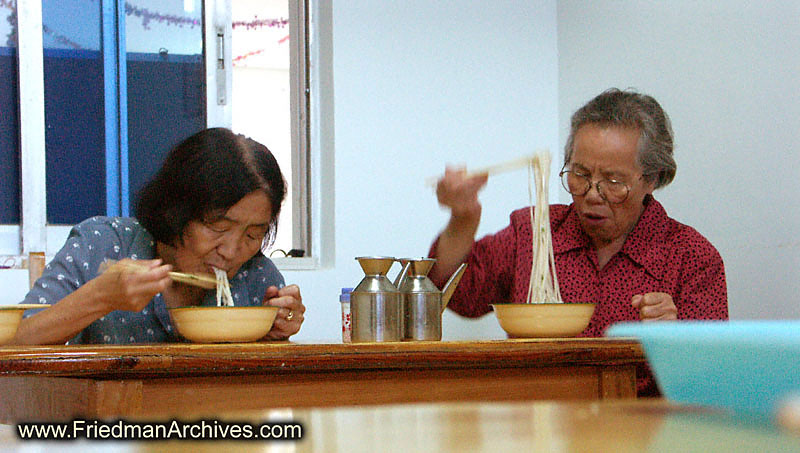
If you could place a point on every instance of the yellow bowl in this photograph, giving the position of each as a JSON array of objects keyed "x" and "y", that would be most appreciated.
[
  {"x": 543, "y": 320},
  {"x": 223, "y": 324},
  {"x": 10, "y": 318}
]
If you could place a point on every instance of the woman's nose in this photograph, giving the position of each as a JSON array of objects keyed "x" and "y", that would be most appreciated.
[
  {"x": 228, "y": 246},
  {"x": 594, "y": 195}
]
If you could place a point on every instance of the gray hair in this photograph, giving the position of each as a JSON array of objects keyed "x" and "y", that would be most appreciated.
[{"x": 629, "y": 109}]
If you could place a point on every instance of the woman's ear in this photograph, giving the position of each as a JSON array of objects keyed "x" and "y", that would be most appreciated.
[{"x": 650, "y": 184}]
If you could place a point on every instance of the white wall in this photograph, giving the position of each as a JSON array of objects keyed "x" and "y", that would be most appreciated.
[
  {"x": 726, "y": 73},
  {"x": 418, "y": 84}
]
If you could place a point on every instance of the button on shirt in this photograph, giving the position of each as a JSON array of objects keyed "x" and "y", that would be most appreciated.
[
  {"x": 659, "y": 255},
  {"x": 98, "y": 239}
]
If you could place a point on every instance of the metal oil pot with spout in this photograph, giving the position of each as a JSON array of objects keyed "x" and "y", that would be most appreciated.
[
  {"x": 423, "y": 302},
  {"x": 376, "y": 308}
]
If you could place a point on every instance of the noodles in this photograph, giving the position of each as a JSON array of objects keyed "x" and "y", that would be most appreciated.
[
  {"x": 543, "y": 286},
  {"x": 224, "y": 298}
]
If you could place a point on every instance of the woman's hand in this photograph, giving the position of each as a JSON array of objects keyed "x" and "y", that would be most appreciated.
[
  {"x": 290, "y": 314},
  {"x": 129, "y": 285},
  {"x": 655, "y": 307},
  {"x": 459, "y": 192}
]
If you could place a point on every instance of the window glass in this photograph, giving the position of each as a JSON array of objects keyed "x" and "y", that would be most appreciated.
[
  {"x": 261, "y": 106},
  {"x": 74, "y": 115},
  {"x": 166, "y": 82},
  {"x": 9, "y": 124}
]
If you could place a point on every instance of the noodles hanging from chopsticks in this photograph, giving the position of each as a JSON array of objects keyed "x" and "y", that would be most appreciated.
[
  {"x": 543, "y": 285},
  {"x": 224, "y": 298}
]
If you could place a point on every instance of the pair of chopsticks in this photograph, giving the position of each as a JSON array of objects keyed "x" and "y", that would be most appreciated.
[
  {"x": 493, "y": 169},
  {"x": 201, "y": 280}
]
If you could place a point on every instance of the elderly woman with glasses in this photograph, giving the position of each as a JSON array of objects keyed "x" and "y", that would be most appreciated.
[{"x": 614, "y": 245}]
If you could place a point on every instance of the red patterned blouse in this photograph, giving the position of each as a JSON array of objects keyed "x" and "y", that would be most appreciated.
[{"x": 659, "y": 255}]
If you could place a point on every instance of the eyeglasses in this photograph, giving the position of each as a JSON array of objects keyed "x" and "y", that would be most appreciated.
[{"x": 611, "y": 190}]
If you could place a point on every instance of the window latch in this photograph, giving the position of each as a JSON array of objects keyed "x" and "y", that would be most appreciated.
[{"x": 221, "y": 76}]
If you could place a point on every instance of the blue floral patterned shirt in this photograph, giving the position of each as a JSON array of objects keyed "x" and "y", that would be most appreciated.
[{"x": 97, "y": 239}]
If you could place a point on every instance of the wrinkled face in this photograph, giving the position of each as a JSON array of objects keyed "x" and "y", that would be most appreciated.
[
  {"x": 225, "y": 241},
  {"x": 608, "y": 153}
]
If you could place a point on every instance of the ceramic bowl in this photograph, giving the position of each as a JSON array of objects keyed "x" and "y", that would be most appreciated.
[
  {"x": 9, "y": 321},
  {"x": 543, "y": 320},
  {"x": 223, "y": 324},
  {"x": 10, "y": 317},
  {"x": 744, "y": 366}
]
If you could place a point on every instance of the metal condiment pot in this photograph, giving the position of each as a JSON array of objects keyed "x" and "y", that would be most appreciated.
[
  {"x": 376, "y": 308},
  {"x": 423, "y": 302}
]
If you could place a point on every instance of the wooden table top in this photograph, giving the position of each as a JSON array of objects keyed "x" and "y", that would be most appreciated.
[
  {"x": 620, "y": 427},
  {"x": 285, "y": 357}
]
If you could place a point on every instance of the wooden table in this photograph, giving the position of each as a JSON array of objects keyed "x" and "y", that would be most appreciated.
[
  {"x": 62, "y": 382},
  {"x": 646, "y": 425}
]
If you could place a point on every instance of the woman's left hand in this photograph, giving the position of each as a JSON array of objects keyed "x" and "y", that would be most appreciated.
[
  {"x": 290, "y": 314},
  {"x": 655, "y": 307}
]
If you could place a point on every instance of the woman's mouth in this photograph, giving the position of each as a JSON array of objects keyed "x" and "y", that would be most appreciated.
[
  {"x": 210, "y": 268},
  {"x": 593, "y": 219}
]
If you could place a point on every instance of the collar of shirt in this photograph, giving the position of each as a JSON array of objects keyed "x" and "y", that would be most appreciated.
[
  {"x": 567, "y": 232},
  {"x": 568, "y": 235}
]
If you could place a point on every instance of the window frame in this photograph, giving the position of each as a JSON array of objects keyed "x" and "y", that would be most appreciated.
[
  {"x": 30, "y": 54},
  {"x": 312, "y": 129},
  {"x": 306, "y": 142}
]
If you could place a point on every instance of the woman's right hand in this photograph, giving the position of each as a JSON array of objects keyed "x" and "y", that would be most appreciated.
[
  {"x": 120, "y": 287},
  {"x": 459, "y": 192},
  {"x": 129, "y": 285}
]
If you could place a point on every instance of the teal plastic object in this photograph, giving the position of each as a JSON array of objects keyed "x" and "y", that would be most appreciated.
[{"x": 748, "y": 367}]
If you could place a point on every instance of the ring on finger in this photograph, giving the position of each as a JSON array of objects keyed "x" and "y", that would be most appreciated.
[{"x": 290, "y": 315}]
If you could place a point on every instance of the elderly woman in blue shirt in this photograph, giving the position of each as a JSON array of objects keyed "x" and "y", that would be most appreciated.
[{"x": 214, "y": 204}]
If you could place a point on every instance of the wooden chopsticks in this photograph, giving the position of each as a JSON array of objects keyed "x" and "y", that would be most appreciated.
[
  {"x": 492, "y": 169},
  {"x": 201, "y": 280}
]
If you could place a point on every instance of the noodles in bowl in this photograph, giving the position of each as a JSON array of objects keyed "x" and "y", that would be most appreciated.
[
  {"x": 545, "y": 314},
  {"x": 543, "y": 320},
  {"x": 223, "y": 323}
]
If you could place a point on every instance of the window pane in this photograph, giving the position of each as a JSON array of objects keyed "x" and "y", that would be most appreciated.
[
  {"x": 74, "y": 116},
  {"x": 9, "y": 125},
  {"x": 261, "y": 87},
  {"x": 166, "y": 82}
]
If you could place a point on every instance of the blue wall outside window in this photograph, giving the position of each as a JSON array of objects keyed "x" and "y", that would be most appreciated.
[
  {"x": 74, "y": 135},
  {"x": 166, "y": 104},
  {"x": 9, "y": 137}
]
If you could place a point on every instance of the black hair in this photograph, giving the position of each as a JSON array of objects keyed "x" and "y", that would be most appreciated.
[{"x": 204, "y": 176}]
